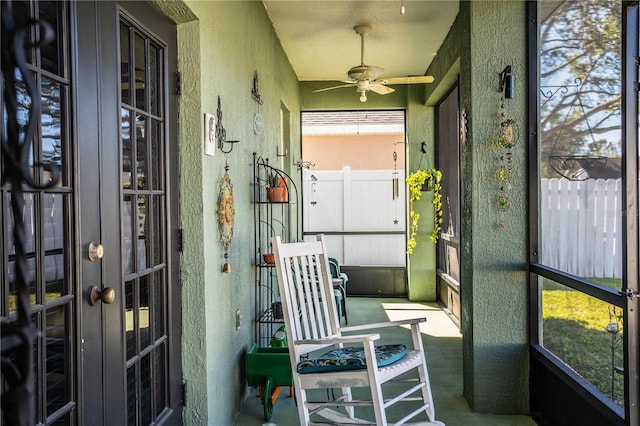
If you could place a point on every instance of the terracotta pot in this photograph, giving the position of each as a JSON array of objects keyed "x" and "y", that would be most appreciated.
[
  {"x": 276, "y": 194},
  {"x": 269, "y": 258}
]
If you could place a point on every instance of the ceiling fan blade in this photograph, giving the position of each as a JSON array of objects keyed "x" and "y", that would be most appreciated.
[
  {"x": 335, "y": 87},
  {"x": 380, "y": 89},
  {"x": 409, "y": 80}
]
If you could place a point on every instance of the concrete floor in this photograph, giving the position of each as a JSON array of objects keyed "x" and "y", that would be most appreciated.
[{"x": 443, "y": 346}]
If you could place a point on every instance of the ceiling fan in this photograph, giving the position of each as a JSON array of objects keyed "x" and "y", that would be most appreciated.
[{"x": 365, "y": 77}]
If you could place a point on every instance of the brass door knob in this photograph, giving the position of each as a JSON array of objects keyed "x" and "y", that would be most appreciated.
[
  {"x": 107, "y": 295},
  {"x": 96, "y": 251}
]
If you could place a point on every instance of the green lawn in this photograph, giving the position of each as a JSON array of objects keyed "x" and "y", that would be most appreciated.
[{"x": 574, "y": 329}]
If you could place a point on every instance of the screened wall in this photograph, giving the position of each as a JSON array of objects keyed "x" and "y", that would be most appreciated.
[{"x": 584, "y": 188}]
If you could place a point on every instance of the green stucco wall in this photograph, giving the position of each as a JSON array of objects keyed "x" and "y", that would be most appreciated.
[
  {"x": 487, "y": 36},
  {"x": 496, "y": 289},
  {"x": 221, "y": 45}
]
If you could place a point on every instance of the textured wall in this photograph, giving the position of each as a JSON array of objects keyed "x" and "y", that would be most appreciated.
[
  {"x": 496, "y": 287},
  {"x": 422, "y": 263},
  {"x": 487, "y": 36},
  {"x": 221, "y": 44}
]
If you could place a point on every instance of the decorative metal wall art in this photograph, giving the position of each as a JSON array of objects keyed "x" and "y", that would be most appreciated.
[
  {"x": 255, "y": 90},
  {"x": 221, "y": 133},
  {"x": 17, "y": 336},
  {"x": 226, "y": 217},
  {"x": 463, "y": 126},
  {"x": 258, "y": 124}
]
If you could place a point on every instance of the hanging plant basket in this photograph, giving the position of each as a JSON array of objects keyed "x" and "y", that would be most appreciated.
[{"x": 420, "y": 181}]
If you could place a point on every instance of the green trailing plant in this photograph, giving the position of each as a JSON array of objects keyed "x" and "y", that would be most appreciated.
[{"x": 419, "y": 181}]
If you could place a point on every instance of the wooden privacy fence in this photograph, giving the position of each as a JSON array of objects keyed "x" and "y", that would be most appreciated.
[{"x": 581, "y": 226}]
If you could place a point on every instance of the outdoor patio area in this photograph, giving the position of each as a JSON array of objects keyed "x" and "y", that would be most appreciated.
[{"x": 443, "y": 346}]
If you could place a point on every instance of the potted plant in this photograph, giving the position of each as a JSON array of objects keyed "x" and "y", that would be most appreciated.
[
  {"x": 419, "y": 181},
  {"x": 275, "y": 190}
]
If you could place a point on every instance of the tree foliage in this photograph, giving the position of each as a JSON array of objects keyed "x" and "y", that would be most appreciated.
[{"x": 580, "y": 74}]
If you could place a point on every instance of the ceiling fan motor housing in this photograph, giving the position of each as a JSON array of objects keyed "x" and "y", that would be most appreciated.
[{"x": 355, "y": 73}]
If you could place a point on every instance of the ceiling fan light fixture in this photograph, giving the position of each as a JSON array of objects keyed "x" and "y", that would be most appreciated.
[{"x": 363, "y": 97}]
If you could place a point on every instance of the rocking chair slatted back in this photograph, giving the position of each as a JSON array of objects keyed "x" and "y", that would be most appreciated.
[{"x": 308, "y": 298}]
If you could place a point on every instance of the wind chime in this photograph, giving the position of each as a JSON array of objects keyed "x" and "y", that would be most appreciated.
[
  {"x": 504, "y": 142},
  {"x": 395, "y": 182},
  {"x": 226, "y": 206}
]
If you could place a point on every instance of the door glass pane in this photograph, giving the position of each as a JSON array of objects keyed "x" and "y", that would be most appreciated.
[
  {"x": 158, "y": 303},
  {"x": 130, "y": 319},
  {"x": 55, "y": 245},
  {"x": 23, "y": 103},
  {"x": 57, "y": 360},
  {"x": 128, "y": 210},
  {"x": 51, "y": 121},
  {"x": 143, "y": 235},
  {"x": 156, "y": 237},
  {"x": 51, "y": 53},
  {"x": 160, "y": 379},
  {"x": 580, "y": 139},
  {"x": 131, "y": 396},
  {"x": 141, "y": 151},
  {"x": 587, "y": 334},
  {"x": 125, "y": 73},
  {"x": 140, "y": 71},
  {"x": 29, "y": 248},
  {"x": 146, "y": 394},
  {"x": 154, "y": 80},
  {"x": 156, "y": 166},
  {"x": 143, "y": 316},
  {"x": 127, "y": 152},
  {"x": 21, "y": 13}
]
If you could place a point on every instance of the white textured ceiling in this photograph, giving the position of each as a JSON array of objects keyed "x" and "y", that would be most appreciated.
[{"x": 320, "y": 43}]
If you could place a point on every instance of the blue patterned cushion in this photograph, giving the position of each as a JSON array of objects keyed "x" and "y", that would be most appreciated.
[{"x": 351, "y": 359}]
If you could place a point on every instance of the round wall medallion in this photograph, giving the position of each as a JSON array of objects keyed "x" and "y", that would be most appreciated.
[{"x": 258, "y": 123}]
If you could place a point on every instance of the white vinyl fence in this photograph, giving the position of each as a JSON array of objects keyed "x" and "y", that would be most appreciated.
[
  {"x": 581, "y": 221},
  {"x": 581, "y": 226},
  {"x": 365, "y": 225}
]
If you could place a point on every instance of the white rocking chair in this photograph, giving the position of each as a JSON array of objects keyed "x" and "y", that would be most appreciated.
[{"x": 312, "y": 324}]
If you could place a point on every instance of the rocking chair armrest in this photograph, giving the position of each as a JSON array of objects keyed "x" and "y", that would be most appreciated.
[
  {"x": 354, "y": 338},
  {"x": 410, "y": 321}
]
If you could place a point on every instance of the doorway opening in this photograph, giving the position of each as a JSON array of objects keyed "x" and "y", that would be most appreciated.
[{"x": 354, "y": 193}]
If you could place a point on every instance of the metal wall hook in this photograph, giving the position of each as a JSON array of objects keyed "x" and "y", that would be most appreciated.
[{"x": 506, "y": 82}]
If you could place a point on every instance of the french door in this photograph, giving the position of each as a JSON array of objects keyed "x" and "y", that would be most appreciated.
[{"x": 102, "y": 259}]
